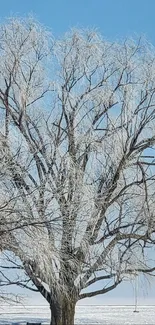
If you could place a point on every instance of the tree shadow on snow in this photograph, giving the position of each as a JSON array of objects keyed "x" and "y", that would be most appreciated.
[{"x": 24, "y": 321}]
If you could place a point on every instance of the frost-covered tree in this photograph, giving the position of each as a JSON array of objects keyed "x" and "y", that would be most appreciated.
[{"x": 77, "y": 160}]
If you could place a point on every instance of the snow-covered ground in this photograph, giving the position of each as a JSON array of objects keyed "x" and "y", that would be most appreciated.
[{"x": 90, "y": 315}]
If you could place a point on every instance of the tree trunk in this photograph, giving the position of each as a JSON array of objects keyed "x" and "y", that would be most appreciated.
[{"x": 63, "y": 314}]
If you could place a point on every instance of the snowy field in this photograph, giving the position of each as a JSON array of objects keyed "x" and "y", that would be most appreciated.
[{"x": 90, "y": 315}]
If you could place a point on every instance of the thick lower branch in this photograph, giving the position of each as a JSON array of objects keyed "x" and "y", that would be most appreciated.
[
  {"x": 99, "y": 292},
  {"x": 44, "y": 292}
]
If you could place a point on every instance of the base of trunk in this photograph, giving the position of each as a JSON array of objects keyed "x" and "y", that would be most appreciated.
[{"x": 63, "y": 315}]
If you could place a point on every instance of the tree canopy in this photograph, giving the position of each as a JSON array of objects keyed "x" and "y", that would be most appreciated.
[{"x": 77, "y": 160}]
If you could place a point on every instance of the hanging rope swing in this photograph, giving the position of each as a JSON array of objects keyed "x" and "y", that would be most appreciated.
[{"x": 136, "y": 295}]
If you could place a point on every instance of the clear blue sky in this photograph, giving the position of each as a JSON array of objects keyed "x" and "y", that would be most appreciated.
[{"x": 115, "y": 19}]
